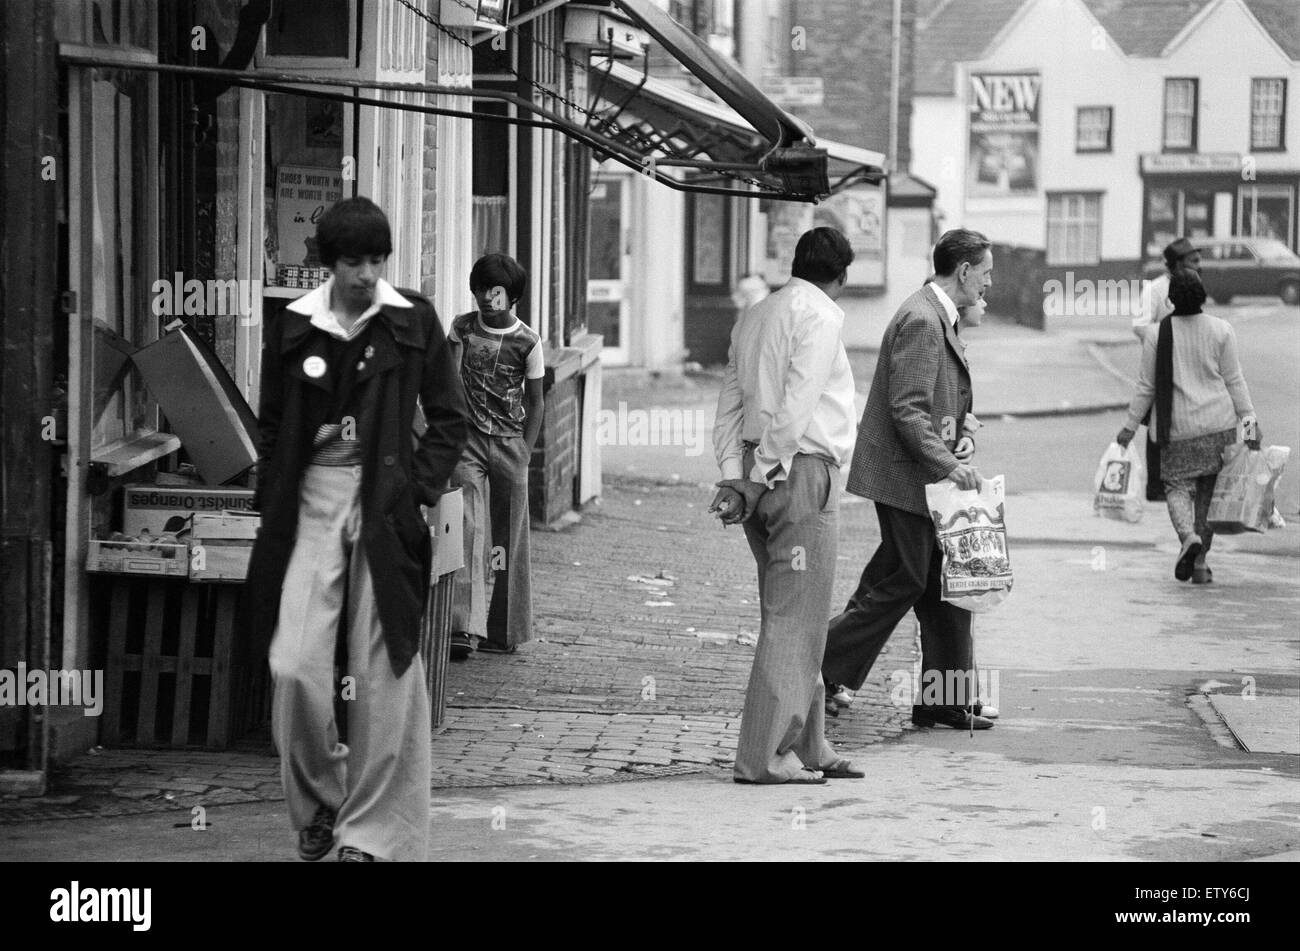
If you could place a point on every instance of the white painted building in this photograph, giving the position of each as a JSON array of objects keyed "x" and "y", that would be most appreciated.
[{"x": 1096, "y": 131}]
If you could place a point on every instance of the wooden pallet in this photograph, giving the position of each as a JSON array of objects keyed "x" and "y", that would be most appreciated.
[{"x": 175, "y": 675}]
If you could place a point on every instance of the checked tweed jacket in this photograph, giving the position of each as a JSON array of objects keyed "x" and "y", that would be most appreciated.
[{"x": 919, "y": 398}]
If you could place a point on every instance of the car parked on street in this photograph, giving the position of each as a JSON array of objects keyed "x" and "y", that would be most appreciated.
[{"x": 1232, "y": 267}]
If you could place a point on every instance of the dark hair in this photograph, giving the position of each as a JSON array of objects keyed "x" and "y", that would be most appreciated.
[
  {"x": 1186, "y": 291},
  {"x": 821, "y": 256},
  {"x": 492, "y": 270},
  {"x": 957, "y": 247},
  {"x": 353, "y": 228}
]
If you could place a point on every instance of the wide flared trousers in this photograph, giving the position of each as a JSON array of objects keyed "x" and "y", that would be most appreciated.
[
  {"x": 378, "y": 782},
  {"x": 493, "y": 477},
  {"x": 793, "y": 535}
]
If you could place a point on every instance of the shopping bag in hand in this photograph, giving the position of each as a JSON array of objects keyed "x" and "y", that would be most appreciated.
[
  {"x": 1243, "y": 491},
  {"x": 1120, "y": 485},
  {"x": 971, "y": 528}
]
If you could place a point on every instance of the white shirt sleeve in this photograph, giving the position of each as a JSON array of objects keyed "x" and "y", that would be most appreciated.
[
  {"x": 729, "y": 422},
  {"x": 535, "y": 366}
]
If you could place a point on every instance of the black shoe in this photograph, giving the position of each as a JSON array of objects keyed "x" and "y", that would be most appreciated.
[
  {"x": 462, "y": 645},
  {"x": 1187, "y": 556},
  {"x": 486, "y": 646},
  {"x": 955, "y": 717},
  {"x": 349, "y": 854},
  {"x": 315, "y": 841}
]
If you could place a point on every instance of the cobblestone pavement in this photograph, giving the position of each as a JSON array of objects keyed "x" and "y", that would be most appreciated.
[{"x": 646, "y": 613}]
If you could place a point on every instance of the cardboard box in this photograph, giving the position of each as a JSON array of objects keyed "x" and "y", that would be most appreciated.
[
  {"x": 221, "y": 546},
  {"x": 446, "y": 522},
  {"x": 138, "y": 558},
  {"x": 151, "y": 507},
  {"x": 204, "y": 407}
]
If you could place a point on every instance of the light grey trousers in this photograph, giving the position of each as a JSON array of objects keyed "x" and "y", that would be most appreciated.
[
  {"x": 793, "y": 535},
  {"x": 377, "y": 783},
  {"x": 493, "y": 477}
]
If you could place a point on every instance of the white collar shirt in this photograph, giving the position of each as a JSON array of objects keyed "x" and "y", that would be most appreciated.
[
  {"x": 788, "y": 386},
  {"x": 316, "y": 305},
  {"x": 949, "y": 307}
]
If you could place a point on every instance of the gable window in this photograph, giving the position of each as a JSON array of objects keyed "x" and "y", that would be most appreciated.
[
  {"x": 1180, "y": 115},
  {"x": 1267, "y": 107},
  {"x": 1092, "y": 129},
  {"x": 1073, "y": 228}
]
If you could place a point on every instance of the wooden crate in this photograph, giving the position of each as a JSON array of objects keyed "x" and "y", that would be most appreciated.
[{"x": 176, "y": 673}]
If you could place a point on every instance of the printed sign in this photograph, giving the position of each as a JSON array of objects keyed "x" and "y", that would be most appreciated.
[
  {"x": 302, "y": 193},
  {"x": 1004, "y": 111}
]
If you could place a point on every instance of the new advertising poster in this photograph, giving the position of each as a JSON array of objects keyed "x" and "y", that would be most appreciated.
[{"x": 1004, "y": 114}]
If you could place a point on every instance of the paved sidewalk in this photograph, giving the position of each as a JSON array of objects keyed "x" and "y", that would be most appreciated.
[{"x": 646, "y": 610}]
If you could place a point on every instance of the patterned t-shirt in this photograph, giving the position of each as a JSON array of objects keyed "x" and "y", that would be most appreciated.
[{"x": 493, "y": 367}]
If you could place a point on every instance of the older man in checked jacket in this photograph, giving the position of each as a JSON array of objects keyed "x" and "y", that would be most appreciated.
[{"x": 911, "y": 434}]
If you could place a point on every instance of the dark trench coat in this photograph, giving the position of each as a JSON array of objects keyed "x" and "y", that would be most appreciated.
[{"x": 398, "y": 473}]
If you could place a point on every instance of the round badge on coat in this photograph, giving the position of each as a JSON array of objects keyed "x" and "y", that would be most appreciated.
[{"x": 314, "y": 367}]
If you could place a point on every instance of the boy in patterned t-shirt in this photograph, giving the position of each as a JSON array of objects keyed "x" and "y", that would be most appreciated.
[{"x": 500, "y": 361}]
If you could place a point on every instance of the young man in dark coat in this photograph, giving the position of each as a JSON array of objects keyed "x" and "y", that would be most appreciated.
[{"x": 343, "y": 550}]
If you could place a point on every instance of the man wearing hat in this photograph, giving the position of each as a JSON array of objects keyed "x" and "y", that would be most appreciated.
[{"x": 1156, "y": 306}]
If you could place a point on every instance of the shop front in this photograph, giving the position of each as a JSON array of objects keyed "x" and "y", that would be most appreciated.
[
  {"x": 728, "y": 179},
  {"x": 1215, "y": 196}
]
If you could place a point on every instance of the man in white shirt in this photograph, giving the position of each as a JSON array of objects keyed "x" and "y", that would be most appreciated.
[{"x": 784, "y": 427}]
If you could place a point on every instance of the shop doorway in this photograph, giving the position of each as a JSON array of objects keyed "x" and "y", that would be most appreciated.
[{"x": 608, "y": 266}]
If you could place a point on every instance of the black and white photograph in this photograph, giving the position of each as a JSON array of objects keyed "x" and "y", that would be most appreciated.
[{"x": 668, "y": 431}]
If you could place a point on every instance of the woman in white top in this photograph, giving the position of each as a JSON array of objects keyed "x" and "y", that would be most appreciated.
[{"x": 1191, "y": 373}]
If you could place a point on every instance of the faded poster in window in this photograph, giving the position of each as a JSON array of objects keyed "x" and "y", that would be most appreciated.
[
  {"x": 302, "y": 194},
  {"x": 1003, "y": 110}
]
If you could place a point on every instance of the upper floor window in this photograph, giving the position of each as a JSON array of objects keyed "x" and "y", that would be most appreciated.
[
  {"x": 1267, "y": 109},
  {"x": 306, "y": 33},
  {"x": 1180, "y": 115},
  {"x": 1092, "y": 129}
]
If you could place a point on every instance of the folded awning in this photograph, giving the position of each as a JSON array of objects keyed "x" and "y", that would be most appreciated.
[{"x": 744, "y": 143}]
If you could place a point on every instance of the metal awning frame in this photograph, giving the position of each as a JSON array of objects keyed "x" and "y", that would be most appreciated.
[{"x": 309, "y": 86}]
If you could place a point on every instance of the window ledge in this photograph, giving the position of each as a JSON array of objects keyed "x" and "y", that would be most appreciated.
[{"x": 131, "y": 452}]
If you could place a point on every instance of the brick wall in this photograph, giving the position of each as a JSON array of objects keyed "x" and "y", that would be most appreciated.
[
  {"x": 848, "y": 44},
  {"x": 554, "y": 465}
]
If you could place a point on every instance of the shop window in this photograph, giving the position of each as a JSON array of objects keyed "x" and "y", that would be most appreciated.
[
  {"x": 311, "y": 33},
  {"x": 118, "y": 257},
  {"x": 1266, "y": 211},
  {"x": 491, "y": 180},
  {"x": 1092, "y": 129},
  {"x": 1267, "y": 112},
  {"x": 1180, "y": 115},
  {"x": 1073, "y": 229},
  {"x": 121, "y": 23},
  {"x": 709, "y": 245},
  {"x": 304, "y": 176}
]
